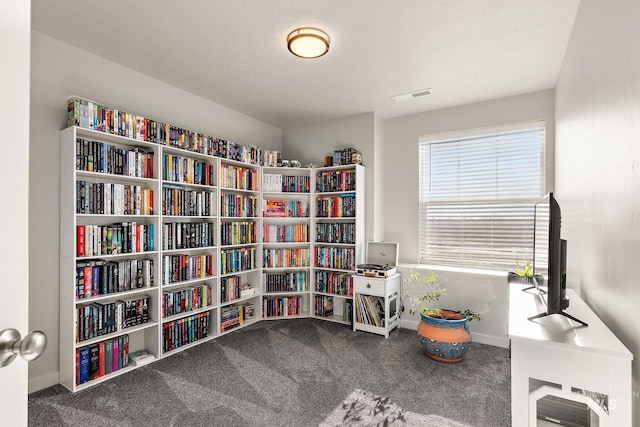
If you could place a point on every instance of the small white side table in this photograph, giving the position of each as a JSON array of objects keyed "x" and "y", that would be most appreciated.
[{"x": 376, "y": 302}]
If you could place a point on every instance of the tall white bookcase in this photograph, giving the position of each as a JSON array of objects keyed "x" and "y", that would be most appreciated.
[
  {"x": 88, "y": 211},
  {"x": 338, "y": 212},
  {"x": 286, "y": 237},
  {"x": 204, "y": 250},
  {"x": 189, "y": 248},
  {"x": 240, "y": 246}
]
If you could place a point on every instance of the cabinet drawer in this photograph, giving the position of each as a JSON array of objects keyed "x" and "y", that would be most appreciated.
[{"x": 368, "y": 286}]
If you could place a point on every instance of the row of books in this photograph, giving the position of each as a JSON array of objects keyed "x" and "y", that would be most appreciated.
[
  {"x": 94, "y": 320},
  {"x": 330, "y": 181},
  {"x": 238, "y": 178},
  {"x": 277, "y": 183},
  {"x": 370, "y": 310},
  {"x": 333, "y": 282},
  {"x": 182, "y": 267},
  {"x": 272, "y": 158},
  {"x": 178, "y": 201},
  {"x": 187, "y": 235},
  {"x": 282, "y": 306},
  {"x": 187, "y": 170},
  {"x": 343, "y": 206},
  {"x": 285, "y": 233},
  {"x": 231, "y": 317},
  {"x": 274, "y": 208},
  {"x": 238, "y": 232},
  {"x": 113, "y": 199},
  {"x": 119, "y": 238},
  {"x": 184, "y": 300},
  {"x": 288, "y": 257},
  {"x": 100, "y": 359},
  {"x": 237, "y": 260},
  {"x": 92, "y": 115},
  {"x": 230, "y": 288},
  {"x": 336, "y": 232},
  {"x": 290, "y": 281},
  {"x": 244, "y": 153},
  {"x": 178, "y": 333},
  {"x": 99, "y": 277},
  {"x": 339, "y": 258},
  {"x": 102, "y": 157},
  {"x": 323, "y": 305},
  {"x": 346, "y": 156},
  {"x": 238, "y": 205}
]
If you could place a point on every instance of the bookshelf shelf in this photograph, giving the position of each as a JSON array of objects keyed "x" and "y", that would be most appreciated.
[
  {"x": 125, "y": 331},
  {"x": 218, "y": 195}
]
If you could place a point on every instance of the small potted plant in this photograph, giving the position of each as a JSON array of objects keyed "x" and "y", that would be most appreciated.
[
  {"x": 521, "y": 274},
  {"x": 444, "y": 334}
]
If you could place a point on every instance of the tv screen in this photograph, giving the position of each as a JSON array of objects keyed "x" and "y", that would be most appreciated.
[{"x": 550, "y": 258}]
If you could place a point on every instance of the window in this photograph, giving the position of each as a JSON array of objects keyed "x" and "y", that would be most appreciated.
[{"x": 477, "y": 195}]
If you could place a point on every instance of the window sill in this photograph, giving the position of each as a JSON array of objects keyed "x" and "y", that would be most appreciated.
[{"x": 454, "y": 269}]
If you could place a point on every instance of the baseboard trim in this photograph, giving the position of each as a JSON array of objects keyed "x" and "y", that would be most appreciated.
[
  {"x": 42, "y": 382},
  {"x": 477, "y": 337}
]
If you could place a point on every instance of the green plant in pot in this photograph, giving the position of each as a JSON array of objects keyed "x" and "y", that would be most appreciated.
[
  {"x": 444, "y": 334},
  {"x": 521, "y": 274}
]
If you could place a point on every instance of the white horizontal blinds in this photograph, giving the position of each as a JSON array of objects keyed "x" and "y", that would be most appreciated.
[{"x": 477, "y": 195}]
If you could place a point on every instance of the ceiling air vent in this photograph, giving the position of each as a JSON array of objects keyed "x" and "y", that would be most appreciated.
[{"x": 411, "y": 95}]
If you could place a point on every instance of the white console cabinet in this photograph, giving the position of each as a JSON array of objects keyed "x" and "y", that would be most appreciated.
[{"x": 554, "y": 357}]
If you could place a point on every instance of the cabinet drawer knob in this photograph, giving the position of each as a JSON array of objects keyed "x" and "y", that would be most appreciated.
[{"x": 368, "y": 285}]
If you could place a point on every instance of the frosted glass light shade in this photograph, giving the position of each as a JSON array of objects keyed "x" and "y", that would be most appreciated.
[{"x": 308, "y": 42}]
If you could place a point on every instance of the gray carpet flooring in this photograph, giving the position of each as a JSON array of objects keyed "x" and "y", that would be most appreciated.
[{"x": 287, "y": 373}]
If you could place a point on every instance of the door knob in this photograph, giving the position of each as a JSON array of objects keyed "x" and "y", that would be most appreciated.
[{"x": 29, "y": 348}]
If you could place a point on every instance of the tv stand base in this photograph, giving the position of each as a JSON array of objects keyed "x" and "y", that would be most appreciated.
[{"x": 537, "y": 316}]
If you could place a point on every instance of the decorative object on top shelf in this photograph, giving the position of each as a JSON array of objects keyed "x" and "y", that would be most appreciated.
[
  {"x": 521, "y": 274},
  {"x": 290, "y": 164},
  {"x": 444, "y": 334}
]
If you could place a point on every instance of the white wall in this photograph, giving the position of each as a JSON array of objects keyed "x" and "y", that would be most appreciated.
[
  {"x": 59, "y": 70},
  {"x": 598, "y": 166},
  {"x": 485, "y": 292},
  {"x": 309, "y": 144}
]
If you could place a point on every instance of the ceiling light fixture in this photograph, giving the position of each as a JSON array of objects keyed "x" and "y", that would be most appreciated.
[{"x": 308, "y": 42}]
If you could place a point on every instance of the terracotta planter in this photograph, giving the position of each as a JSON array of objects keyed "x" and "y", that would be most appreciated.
[{"x": 445, "y": 339}]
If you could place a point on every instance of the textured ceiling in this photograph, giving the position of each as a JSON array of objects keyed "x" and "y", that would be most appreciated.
[{"x": 233, "y": 52}]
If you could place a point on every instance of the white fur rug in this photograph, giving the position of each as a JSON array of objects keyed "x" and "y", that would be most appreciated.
[{"x": 362, "y": 408}]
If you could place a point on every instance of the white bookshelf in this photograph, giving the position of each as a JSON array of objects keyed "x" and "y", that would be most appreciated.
[
  {"x": 191, "y": 236},
  {"x": 286, "y": 239},
  {"x": 339, "y": 239},
  {"x": 143, "y": 336},
  {"x": 240, "y": 202}
]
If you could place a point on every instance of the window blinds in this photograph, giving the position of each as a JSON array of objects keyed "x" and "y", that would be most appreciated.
[{"x": 477, "y": 195}]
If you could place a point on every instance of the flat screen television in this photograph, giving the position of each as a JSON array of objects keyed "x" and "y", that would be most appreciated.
[{"x": 550, "y": 259}]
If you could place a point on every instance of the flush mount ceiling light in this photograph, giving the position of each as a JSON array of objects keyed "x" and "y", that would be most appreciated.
[{"x": 308, "y": 42}]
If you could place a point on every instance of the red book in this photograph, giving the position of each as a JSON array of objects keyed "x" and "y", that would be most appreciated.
[
  {"x": 138, "y": 226},
  {"x": 81, "y": 242},
  {"x": 101, "y": 359},
  {"x": 77, "y": 367}
]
